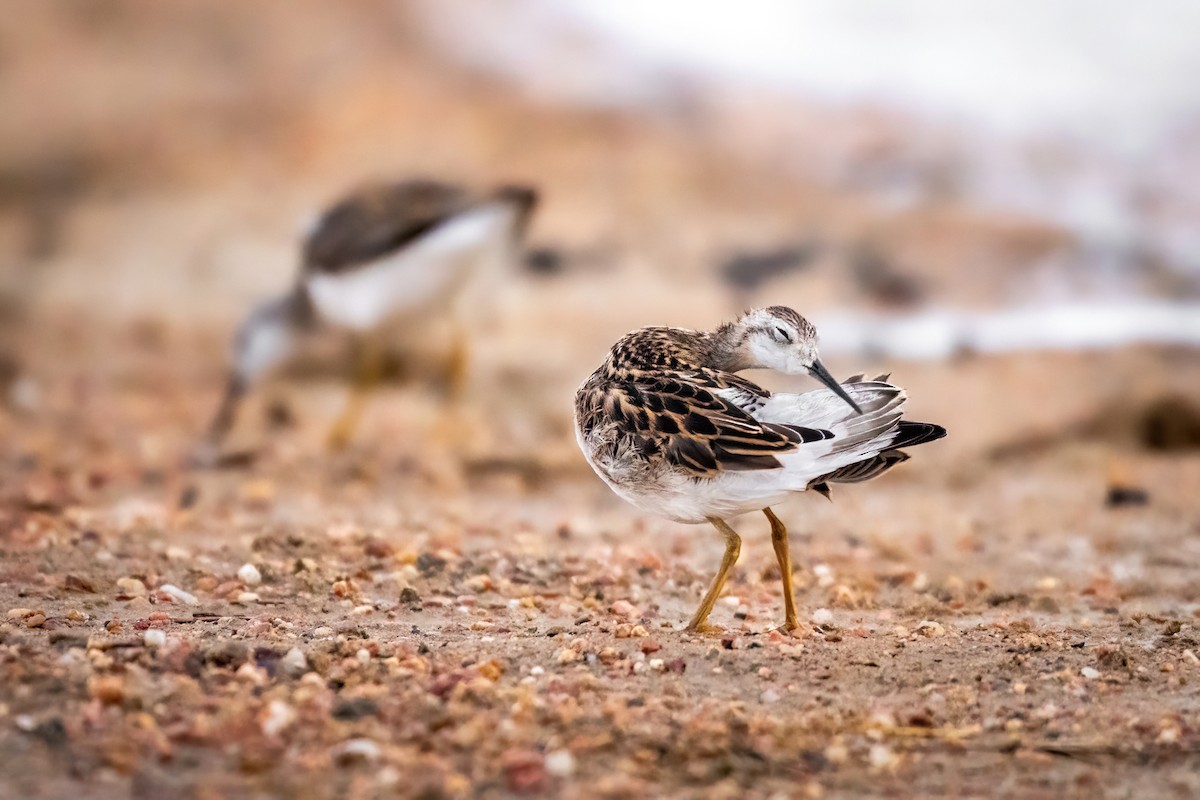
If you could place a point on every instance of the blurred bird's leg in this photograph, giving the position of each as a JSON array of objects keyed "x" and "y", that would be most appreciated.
[
  {"x": 779, "y": 540},
  {"x": 458, "y": 362},
  {"x": 207, "y": 451},
  {"x": 733, "y": 548},
  {"x": 368, "y": 371}
]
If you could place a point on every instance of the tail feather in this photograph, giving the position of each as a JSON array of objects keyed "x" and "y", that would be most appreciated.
[
  {"x": 908, "y": 434},
  {"x": 914, "y": 433}
]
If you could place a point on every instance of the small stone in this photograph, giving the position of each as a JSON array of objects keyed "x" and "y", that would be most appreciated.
[
  {"x": 131, "y": 587},
  {"x": 354, "y": 751},
  {"x": 881, "y": 756},
  {"x": 108, "y": 689},
  {"x": 20, "y": 613},
  {"x": 524, "y": 770},
  {"x": 567, "y": 656},
  {"x": 277, "y": 716},
  {"x": 154, "y": 637},
  {"x": 1091, "y": 673},
  {"x": 560, "y": 763},
  {"x": 294, "y": 663},
  {"x": 479, "y": 583},
  {"x": 928, "y": 627},
  {"x": 249, "y": 575},
  {"x": 35, "y": 620},
  {"x": 658, "y": 665},
  {"x": 247, "y": 597},
  {"x": 650, "y": 646},
  {"x": 822, "y": 616},
  {"x": 623, "y": 608},
  {"x": 227, "y": 653},
  {"x": 177, "y": 595}
]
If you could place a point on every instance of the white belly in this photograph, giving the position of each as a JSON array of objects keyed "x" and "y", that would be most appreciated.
[
  {"x": 682, "y": 499},
  {"x": 421, "y": 277}
]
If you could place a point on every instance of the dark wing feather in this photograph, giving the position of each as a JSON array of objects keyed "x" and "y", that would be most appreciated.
[
  {"x": 699, "y": 432},
  {"x": 378, "y": 220}
]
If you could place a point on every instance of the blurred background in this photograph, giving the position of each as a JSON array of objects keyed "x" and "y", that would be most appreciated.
[{"x": 999, "y": 205}]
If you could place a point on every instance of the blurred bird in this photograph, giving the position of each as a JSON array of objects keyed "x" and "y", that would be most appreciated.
[
  {"x": 386, "y": 255},
  {"x": 671, "y": 428}
]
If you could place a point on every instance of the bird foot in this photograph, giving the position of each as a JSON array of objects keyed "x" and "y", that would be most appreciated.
[{"x": 704, "y": 629}]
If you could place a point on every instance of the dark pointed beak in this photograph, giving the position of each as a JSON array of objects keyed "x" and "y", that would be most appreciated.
[{"x": 820, "y": 373}]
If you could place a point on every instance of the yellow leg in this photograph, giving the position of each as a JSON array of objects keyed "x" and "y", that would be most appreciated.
[
  {"x": 779, "y": 540},
  {"x": 367, "y": 376},
  {"x": 733, "y": 548},
  {"x": 458, "y": 363}
]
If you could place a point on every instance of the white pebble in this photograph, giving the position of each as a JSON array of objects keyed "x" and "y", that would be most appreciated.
[
  {"x": 294, "y": 662},
  {"x": 279, "y": 715},
  {"x": 1091, "y": 673},
  {"x": 249, "y": 575},
  {"x": 560, "y": 763},
  {"x": 357, "y": 750},
  {"x": 822, "y": 616},
  {"x": 154, "y": 637},
  {"x": 881, "y": 756},
  {"x": 175, "y": 593}
]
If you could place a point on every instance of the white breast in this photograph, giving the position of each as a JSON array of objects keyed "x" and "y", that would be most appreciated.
[{"x": 421, "y": 276}]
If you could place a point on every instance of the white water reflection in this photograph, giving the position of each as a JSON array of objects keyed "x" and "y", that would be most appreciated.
[{"x": 936, "y": 334}]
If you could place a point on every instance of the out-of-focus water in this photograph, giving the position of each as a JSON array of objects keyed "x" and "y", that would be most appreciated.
[
  {"x": 941, "y": 333},
  {"x": 1079, "y": 113}
]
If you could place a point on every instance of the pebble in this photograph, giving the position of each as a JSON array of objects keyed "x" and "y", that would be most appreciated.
[
  {"x": 822, "y": 616},
  {"x": 560, "y": 763},
  {"x": 928, "y": 627},
  {"x": 249, "y": 575},
  {"x": 294, "y": 663},
  {"x": 154, "y": 637},
  {"x": 881, "y": 756},
  {"x": 247, "y": 597},
  {"x": 178, "y": 595},
  {"x": 623, "y": 608},
  {"x": 354, "y": 751},
  {"x": 35, "y": 620},
  {"x": 1091, "y": 673},
  {"x": 278, "y": 716},
  {"x": 131, "y": 587}
]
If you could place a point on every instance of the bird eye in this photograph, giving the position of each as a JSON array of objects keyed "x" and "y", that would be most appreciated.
[{"x": 782, "y": 335}]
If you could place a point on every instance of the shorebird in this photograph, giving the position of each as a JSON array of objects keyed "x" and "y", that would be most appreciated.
[
  {"x": 667, "y": 423},
  {"x": 386, "y": 255}
]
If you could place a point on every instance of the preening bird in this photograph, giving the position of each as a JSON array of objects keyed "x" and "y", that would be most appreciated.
[{"x": 668, "y": 424}]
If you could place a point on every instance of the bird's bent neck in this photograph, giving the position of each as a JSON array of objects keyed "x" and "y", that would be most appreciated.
[{"x": 726, "y": 348}]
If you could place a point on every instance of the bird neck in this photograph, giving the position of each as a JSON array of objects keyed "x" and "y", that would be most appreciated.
[{"x": 726, "y": 348}]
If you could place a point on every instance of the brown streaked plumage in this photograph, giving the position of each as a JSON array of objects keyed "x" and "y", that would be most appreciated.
[{"x": 671, "y": 428}]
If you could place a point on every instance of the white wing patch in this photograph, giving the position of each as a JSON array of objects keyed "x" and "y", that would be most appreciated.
[{"x": 424, "y": 273}]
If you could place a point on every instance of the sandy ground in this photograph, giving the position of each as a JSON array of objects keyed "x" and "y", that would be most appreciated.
[{"x": 413, "y": 622}]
